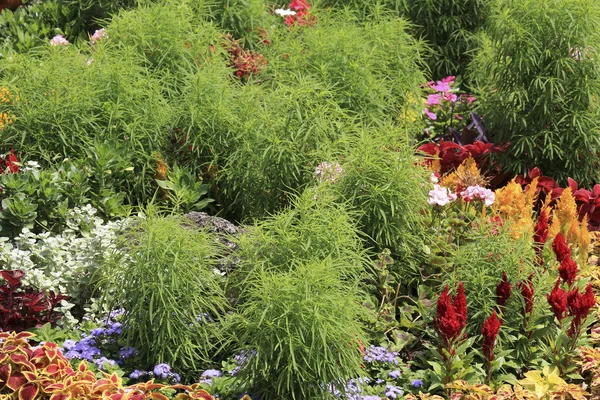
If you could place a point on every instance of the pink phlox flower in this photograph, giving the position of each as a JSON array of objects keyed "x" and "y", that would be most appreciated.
[
  {"x": 434, "y": 178},
  {"x": 477, "y": 192},
  {"x": 59, "y": 40},
  {"x": 99, "y": 34},
  {"x": 430, "y": 114},
  {"x": 450, "y": 97},
  {"x": 458, "y": 117},
  {"x": 434, "y": 99},
  {"x": 441, "y": 86},
  {"x": 471, "y": 99},
  {"x": 449, "y": 79},
  {"x": 440, "y": 196}
]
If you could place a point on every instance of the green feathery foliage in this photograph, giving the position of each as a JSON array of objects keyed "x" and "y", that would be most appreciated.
[
  {"x": 538, "y": 80},
  {"x": 163, "y": 277}
]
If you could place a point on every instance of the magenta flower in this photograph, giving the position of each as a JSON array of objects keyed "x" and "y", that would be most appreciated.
[
  {"x": 434, "y": 99},
  {"x": 430, "y": 114},
  {"x": 441, "y": 86},
  {"x": 450, "y": 97}
]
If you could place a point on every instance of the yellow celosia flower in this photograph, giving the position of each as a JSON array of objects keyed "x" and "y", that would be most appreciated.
[
  {"x": 566, "y": 208},
  {"x": 515, "y": 206},
  {"x": 467, "y": 174}
]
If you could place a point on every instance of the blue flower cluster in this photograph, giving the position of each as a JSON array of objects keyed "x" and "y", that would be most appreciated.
[
  {"x": 381, "y": 354},
  {"x": 162, "y": 371},
  {"x": 207, "y": 376},
  {"x": 241, "y": 359}
]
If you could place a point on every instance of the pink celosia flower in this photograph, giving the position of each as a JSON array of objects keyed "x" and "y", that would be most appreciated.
[
  {"x": 99, "y": 34},
  {"x": 430, "y": 114},
  {"x": 434, "y": 99},
  {"x": 59, "y": 40},
  {"x": 440, "y": 196}
]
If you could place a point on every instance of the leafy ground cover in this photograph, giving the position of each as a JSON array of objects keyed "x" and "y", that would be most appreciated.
[{"x": 391, "y": 199}]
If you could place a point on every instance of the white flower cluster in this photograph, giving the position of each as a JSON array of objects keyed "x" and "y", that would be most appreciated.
[
  {"x": 63, "y": 263},
  {"x": 328, "y": 172}
]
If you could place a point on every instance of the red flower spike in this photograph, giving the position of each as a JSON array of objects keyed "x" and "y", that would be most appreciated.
[
  {"x": 503, "y": 290},
  {"x": 528, "y": 292},
  {"x": 561, "y": 248},
  {"x": 558, "y": 301},
  {"x": 568, "y": 270},
  {"x": 579, "y": 307},
  {"x": 490, "y": 330},
  {"x": 541, "y": 231},
  {"x": 460, "y": 304}
]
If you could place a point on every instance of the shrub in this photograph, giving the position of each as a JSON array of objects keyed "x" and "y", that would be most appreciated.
[
  {"x": 164, "y": 279},
  {"x": 539, "y": 80},
  {"x": 450, "y": 27},
  {"x": 383, "y": 185},
  {"x": 297, "y": 350}
]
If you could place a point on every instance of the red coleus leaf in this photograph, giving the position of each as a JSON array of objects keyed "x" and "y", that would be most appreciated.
[
  {"x": 28, "y": 391},
  {"x": 60, "y": 396},
  {"x": 5, "y": 371},
  {"x": 16, "y": 380},
  {"x": 23, "y": 361}
]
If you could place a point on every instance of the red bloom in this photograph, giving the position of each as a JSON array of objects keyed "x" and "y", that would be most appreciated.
[
  {"x": 561, "y": 248},
  {"x": 299, "y": 5},
  {"x": 460, "y": 304},
  {"x": 579, "y": 307},
  {"x": 490, "y": 329},
  {"x": 450, "y": 319},
  {"x": 503, "y": 290},
  {"x": 527, "y": 291},
  {"x": 558, "y": 301},
  {"x": 568, "y": 270},
  {"x": 541, "y": 230}
]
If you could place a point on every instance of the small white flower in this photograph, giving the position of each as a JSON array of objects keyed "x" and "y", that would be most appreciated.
[
  {"x": 59, "y": 40},
  {"x": 284, "y": 13}
]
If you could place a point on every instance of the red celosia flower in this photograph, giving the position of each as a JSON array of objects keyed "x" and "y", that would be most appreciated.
[
  {"x": 503, "y": 290},
  {"x": 568, "y": 270},
  {"x": 561, "y": 248},
  {"x": 579, "y": 307},
  {"x": 299, "y": 5},
  {"x": 451, "y": 315},
  {"x": 541, "y": 231},
  {"x": 527, "y": 291},
  {"x": 460, "y": 304},
  {"x": 490, "y": 329},
  {"x": 558, "y": 301}
]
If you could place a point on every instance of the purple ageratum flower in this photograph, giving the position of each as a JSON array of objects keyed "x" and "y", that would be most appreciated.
[
  {"x": 69, "y": 344},
  {"x": 137, "y": 374},
  {"x": 394, "y": 374},
  {"x": 99, "y": 332},
  {"x": 417, "y": 383},
  {"x": 174, "y": 377},
  {"x": 211, "y": 373},
  {"x": 127, "y": 352},
  {"x": 162, "y": 371},
  {"x": 393, "y": 391},
  {"x": 430, "y": 114},
  {"x": 380, "y": 354},
  {"x": 102, "y": 361},
  {"x": 115, "y": 329},
  {"x": 371, "y": 398}
]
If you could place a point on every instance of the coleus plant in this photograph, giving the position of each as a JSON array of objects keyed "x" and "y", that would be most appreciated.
[
  {"x": 23, "y": 309},
  {"x": 43, "y": 373}
]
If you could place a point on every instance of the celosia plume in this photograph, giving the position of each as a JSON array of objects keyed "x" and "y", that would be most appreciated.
[
  {"x": 568, "y": 270},
  {"x": 528, "y": 292},
  {"x": 490, "y": 330},
  {"x": 558, "y": 301},
  {"x": 540, "y": 232},
  {"x": 561, "y": 248},
  {"x": 503, "y": 290},
  {"x": 579, "y": 307},
  {"x": 451, "y": 314}
]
